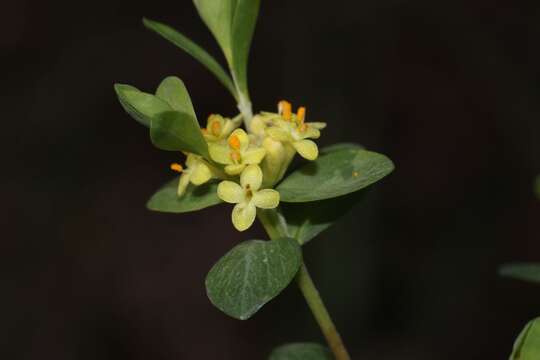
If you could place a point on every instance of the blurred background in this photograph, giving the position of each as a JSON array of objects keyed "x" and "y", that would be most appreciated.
[{"x": 448, "y": 89}]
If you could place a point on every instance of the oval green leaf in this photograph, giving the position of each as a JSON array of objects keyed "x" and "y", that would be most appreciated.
[
  {"x": 527, "y": 345},
  {"x": 195, "y": 198},
  {"x": 301, "y": 351},
  {"x": 335, "y": 174},
  {"x": 522, "y": 271},
  {"x": 140, "y": 105},
  {"x": 338, "y": 147},
  {"x": 194, "y": 50},
  {"x": 251, "y": 274},
  {"x": 173, "y": 91},
  {"x": 177, "y": 131}
]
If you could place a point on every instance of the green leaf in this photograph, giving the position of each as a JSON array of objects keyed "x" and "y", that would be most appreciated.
[
  {"x": 527, "y": 345},
  {"x": 301, "y": 351},
  {"x": 173, "y": 91},
  {"x": 307, "y": 220},
  {"x": 338, "y": 147},
  {"x": 195, "y": 198},
  {"x": 218, "y": 17},
  {"x": 194, "y": 50},
  {"x": 335, "y": 174},
  {"x": 178, "y": 131},
  {"x": 522, "y": 271},
  {"x": 140, "y": 105},
  {"x": 251, "y": 274},
  {"x": 243, "y": 27}
]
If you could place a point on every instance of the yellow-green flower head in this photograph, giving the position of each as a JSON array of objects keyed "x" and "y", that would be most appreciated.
[
  {"x": 296, "y": 131},
  {"x": 218, "y": 127},
  {"x": 197, "y": 172},
  {"x": 236, "y": 153},
  {"x": 288, "y": 127},
  {"x": 247, "y": 197}
]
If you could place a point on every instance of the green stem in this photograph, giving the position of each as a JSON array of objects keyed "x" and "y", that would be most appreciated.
[
  {"x": 275, "y": 225},
  {"x": 315, "y": 303},
  {"x": 244, "y": 102}
]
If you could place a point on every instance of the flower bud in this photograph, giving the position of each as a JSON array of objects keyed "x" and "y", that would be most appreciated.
[{"x": 278, "y": 157}]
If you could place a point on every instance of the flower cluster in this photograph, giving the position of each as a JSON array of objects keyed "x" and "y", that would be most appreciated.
[{"x": 251, "y": 163}]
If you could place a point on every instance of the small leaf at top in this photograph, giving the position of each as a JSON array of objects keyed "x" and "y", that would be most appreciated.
[
  {"x": 195, "y": 198},
  {"x": 527, "y": 345},
  {"x": 243, "y": 27},
  {"x": 173, "y": 91},
  {"x": 522, "y": 271},
  {"x": 194, "y": 50},
  {"x": 218, "y": 17},
  {"x": 140, "y": 105},
  {"x": 251, "y": 274},
  {"x": 301, "y": 351},
  {"x": 335, "y": 174},
  {"x": 178, "y": 131},
  {"x": 307, "y": 220}
]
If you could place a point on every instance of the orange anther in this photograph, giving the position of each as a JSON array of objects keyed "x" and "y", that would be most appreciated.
[
  {"x": 234, "y": 142},
  {"x": 177, "y": 167},
  {"x": 285, "y": 109},
  {"x": 301, "y": 114}
]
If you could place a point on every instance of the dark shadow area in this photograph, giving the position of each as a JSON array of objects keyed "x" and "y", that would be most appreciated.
[{"x": 449, "y": 90}]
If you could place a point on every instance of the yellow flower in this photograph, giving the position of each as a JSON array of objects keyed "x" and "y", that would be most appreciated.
[
  {"x": 197, "y": 172},
  {"x": 247, "y": 197},
  {"x": 218, "y": 127},
  {"x": 236, "y": 153},
  {"x": 287, "y": 127}
]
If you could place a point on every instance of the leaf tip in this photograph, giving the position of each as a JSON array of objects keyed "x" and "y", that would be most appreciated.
[{"x": 147, "y": 22}]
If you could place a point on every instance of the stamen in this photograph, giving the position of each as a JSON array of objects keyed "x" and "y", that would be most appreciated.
[
  {"x": 234, "y": 142},
  {"x": 301, "y": 114},
  {"x": 285, "y": 109},
  {"x": 216, "y": 128},
  {"x": 235, "y": 156},
  {"x": 177, "y": 167},
  {"x": 302, "y": 127}
]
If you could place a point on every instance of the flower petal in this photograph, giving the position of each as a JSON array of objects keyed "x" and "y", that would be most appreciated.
[
  {"x": 230, "y": 192},
  {"x": 266, "y": 199},
  {"x": 242, "y": 137},
  {"x": 252, "y": 177},
  {"x": 278, "y": 134},
  {"x": 311, "y": 133},
  {"x": 243, "y": 216},
  {"x": 214, "y": 125},
  {"x": 183, "y": 183},
  {"x": 253, "y": 155},
  {"x": 230, "y": 125},
  {"x": 258, "y": 125},
  {"x": 317, "y": 125},
  {"x": 235, "y": 169},
  {"x": 307, "y": 149},
  {"x": 220, "y": 153},
  {"x": 200, "y": 174}
]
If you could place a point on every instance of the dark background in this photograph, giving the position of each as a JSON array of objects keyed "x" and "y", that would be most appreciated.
[{"x": 448, "y": 89}]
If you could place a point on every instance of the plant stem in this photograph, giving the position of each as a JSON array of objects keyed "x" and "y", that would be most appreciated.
[
  {"x": 315, "y": 303},
  {"x": 275, "y": 226}
]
